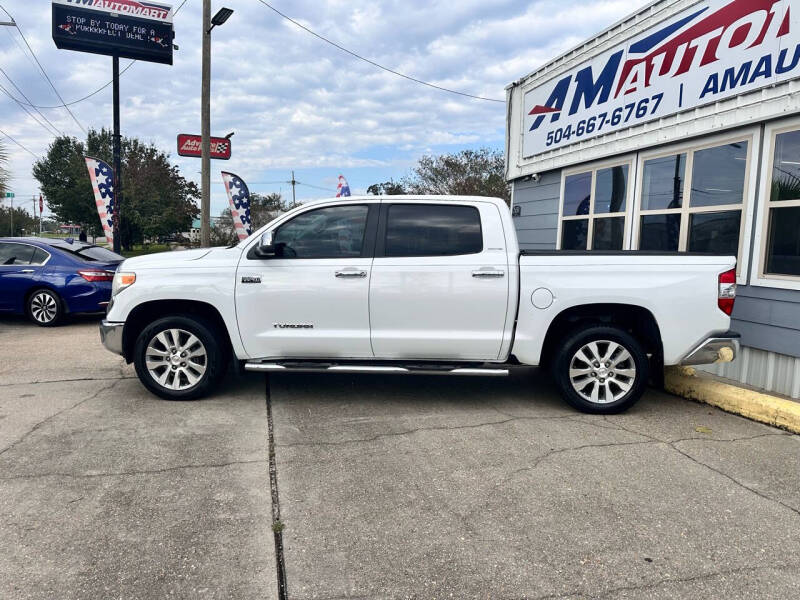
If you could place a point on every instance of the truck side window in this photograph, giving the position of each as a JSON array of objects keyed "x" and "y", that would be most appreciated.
[
  {"x": 433, "y": 230},
  {"x": 332, "y": 232}
]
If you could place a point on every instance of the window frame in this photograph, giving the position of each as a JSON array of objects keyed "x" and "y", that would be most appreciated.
[
  {"x": 383, "y": 228},
  {"x": 46, "y": 260},
  {"x": 367, "y": 244},
  {"x": 749, "y": 135},
  {"x": 593, "y": 167},
  {"x": 758, "y": 275}
]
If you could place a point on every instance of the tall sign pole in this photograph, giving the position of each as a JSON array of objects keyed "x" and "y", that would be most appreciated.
[
  {"x": 205, "y": 131},
  {"x": 117, "y": 157}
]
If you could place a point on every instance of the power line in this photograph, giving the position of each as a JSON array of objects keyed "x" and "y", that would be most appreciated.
[
  {"x": 102, "y": 87},
  {"x": 372, "y": 62},
  {"x": 27, "y": 110},
  {"x": 36, "y": 156},
  {"x": 41, "y": 68},
  {"x": 58, "y": 131}
]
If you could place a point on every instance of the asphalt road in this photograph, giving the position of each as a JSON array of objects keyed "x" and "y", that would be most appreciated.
[{"x": 388, "y": 487}]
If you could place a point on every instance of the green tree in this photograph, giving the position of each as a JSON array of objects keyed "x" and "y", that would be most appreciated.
[
  {"x": 157, "y": 199},
  {"x": 24, "y": 223},
  {"x": 387, "y": 188},
  {"x": 469, "y": 172},
  {"x": 4, "y": 177}
]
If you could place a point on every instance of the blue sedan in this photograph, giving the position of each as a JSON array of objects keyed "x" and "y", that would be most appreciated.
[{"x": 46, "y": 279}]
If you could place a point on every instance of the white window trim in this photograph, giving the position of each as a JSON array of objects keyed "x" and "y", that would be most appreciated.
[
  {"x": 757, "y": 275},
  {"x": 593, "y": 167},
  {"x": 753, "y": 137}
]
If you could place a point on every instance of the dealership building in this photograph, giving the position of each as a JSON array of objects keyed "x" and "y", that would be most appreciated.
[{"x": 676, "y": 129}]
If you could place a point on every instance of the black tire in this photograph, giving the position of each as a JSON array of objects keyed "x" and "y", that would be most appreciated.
[
  {"x": 616, "y": 390},
  {"x": 215, "y": 359},
  {"x": 44, "y": 307}
]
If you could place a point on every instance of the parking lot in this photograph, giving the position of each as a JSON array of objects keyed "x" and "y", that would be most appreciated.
[{"x": 416, "y": 487}]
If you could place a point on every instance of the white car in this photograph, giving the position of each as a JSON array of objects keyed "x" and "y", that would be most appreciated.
[{"x": 418, "y": 284}]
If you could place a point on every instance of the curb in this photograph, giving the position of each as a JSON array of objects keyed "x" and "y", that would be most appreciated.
[{"x": 757, "y": 406}]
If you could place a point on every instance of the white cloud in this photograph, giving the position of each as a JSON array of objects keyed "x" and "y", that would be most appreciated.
[{"x": 298, "y": 103}]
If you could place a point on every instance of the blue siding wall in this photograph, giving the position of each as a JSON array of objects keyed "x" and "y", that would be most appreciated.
[
  {"x": 537, "y": 224},
  {"x": 768, "y": 318}
]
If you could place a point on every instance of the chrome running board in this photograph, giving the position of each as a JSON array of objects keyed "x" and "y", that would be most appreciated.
[{"x": 311, "y": 367}]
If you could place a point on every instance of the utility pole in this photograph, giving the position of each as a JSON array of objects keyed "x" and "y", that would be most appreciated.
[
  {"x": 117, "y": 158},
  {"x": 205, "y": 130},
  {"x": 34, "y": 214},
  {"x": 293, "y": 182},
  {"x": 12, "y": 216}
]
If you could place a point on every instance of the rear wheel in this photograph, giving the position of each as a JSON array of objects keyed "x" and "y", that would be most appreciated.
[
  {"x": 601, "y": 370},
  {"x": 179, "y": 358},
  {"x": 44, "y": 307}
]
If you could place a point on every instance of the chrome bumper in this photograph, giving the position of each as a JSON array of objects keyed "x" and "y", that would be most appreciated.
[
  {"x": 716, "y": 349},
  {"x": 111, "y": 336}
]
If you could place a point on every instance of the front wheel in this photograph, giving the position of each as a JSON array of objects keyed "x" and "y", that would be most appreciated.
[
  {"x": 601, "y": 370},
  {"x": 179, "y": 358}
]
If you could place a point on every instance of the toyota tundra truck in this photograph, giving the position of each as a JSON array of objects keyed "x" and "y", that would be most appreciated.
[{"x": 418, "y": 284}]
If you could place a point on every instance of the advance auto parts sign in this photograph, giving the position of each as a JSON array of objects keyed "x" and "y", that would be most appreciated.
[
  {"x": 715, "y": 50},
  {"x": 137, "y": 29}
]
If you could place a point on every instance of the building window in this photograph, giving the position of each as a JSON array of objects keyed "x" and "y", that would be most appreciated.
[
  {"x": 593, "y": 209},
  {"x": 693, "y": 200},
  {"x": 782, "y": 255}
]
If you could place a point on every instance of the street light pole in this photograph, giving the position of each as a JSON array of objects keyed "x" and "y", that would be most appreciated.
[{"x": 205, "y": 130}]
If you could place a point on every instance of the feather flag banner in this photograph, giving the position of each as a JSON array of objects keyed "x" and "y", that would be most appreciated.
[
  {"x": 239, "y": 198},
  {"x": 102, "y": 178},
  {"x": 343, "y": 189}
]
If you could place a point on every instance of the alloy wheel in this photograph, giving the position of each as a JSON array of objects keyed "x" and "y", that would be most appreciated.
[
  {"x": 602, "y": 371},
  {"x": 176, "y": 359},
  {"x": 44, "y": 307}
]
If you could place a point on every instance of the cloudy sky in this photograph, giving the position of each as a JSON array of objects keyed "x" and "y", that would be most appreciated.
[{"x": 293, "y": 101}]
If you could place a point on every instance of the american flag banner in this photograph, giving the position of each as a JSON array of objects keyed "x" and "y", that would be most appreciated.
[
  {"x": 102, "y": 178},
  {"x": 343, "y": 189},
  {"x": 239, "y": 197}
]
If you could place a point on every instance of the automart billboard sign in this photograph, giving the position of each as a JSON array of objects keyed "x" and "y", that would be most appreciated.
[
  {"x": 136, "y": 29},
  {"x": 714, "y": 50}
]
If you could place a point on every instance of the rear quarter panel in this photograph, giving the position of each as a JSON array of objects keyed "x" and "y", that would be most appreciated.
[{"x": 679, "y": 291}]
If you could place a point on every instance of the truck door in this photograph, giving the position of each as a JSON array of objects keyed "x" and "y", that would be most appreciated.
[
  {"x": 440, "y": 281},
  {"x": 312, "y": 299}
]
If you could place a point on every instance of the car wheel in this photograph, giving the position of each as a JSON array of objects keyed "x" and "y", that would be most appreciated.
[
  {"x": 179, "y": 358},
  {"x": 44, "y": 307},
  {"x": 601, "y": 370}
]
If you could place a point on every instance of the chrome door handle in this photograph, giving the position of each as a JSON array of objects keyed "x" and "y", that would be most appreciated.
[
  {"x": 351, "y": 274},
  {"x": 488, "y": 274},
  {"x": 27, "y": 271}
]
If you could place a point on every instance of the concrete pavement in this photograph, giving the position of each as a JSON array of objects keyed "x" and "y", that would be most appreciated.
[
  {"x": 109, "y": 492},
  {"x": 481, "y": 488},
  {"x": 389, "y": 487}
]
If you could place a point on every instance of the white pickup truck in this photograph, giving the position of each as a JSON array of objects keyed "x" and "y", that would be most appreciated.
[{"x": 416, "y": 284}]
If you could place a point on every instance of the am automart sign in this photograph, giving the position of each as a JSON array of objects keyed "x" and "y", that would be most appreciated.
[
  {"x": 126, "y": 28},
  {"x": 714, "y": 50}
]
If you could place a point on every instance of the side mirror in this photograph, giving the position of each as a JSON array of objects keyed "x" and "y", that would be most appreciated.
[{"x": 265, "y": 247}]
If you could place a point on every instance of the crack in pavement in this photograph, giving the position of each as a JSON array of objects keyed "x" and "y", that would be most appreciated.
[
  {"x": 136, "y": 472},
  {"x": 2, "y": 385},
  {"x": 674, "y": 445},
  {"x": 420, "y": 429},
  {"x": 666, "y": 581},
  {"x": 54, "y": 415}
]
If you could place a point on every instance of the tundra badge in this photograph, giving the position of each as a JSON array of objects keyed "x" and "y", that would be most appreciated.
[{"x": 251, "y": 279}]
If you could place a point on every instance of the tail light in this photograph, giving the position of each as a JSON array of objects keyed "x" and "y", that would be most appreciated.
[
  {"x": 727, "y": 291},
  {"x": 97, "y": 275}
]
